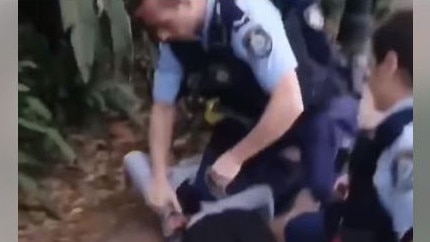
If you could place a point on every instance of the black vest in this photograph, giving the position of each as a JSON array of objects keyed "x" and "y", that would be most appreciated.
[
  {"x": 321, "y": 77},
  {"x": 217, "y": 72},
  {"x": 363, "y": 209}
]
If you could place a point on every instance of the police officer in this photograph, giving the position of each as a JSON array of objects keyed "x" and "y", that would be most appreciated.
[
  {"x": 238, "y": 52},
  {"x": 379, "y": 206},
  {"x": 259, "y": 44}
]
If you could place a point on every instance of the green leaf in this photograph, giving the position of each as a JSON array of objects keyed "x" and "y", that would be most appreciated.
[
  {"x": 119, "y": 96},
  {"x": 101, "y": 7},
  {"x": 81, "y": 19},
  {"x": 52, "y": 134},
  {"x": 26, "y": 64},
  {"x": 62, "y": 144},
  {"x": 98, "y": 98},
  {"x": 39, "y": 108},
  {"x": 382, "y": 8},
  {"x": 31, "y": 125},
  {"x": 26, "y": 159},
  {"x": 29, "y": 185},
  {"x": 68, "y": 13},
  {"x": 121, "y": 33},
  {"x": 23, "y": 88}
]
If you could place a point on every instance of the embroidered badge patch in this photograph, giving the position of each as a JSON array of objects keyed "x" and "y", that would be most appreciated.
[
  {"x": 258, "y": 42},
  {"x": 403, "y": 171},
  {"x": 220, "y": 73}
]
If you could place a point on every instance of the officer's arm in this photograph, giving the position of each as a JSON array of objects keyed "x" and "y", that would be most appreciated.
[
  {"x": 274, "y": 68},
  {"x": 166, "y": 86}
]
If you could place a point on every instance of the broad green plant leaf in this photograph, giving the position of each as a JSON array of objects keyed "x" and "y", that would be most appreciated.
[
  {"x": 23, "y": 88},
  {"x": 121, "y": 33},
  {"x": 39, "y": 108},
  {"x": 26, "y": 64},
  {"x": 80, "y": 18},
  {"x": 52, "y": 134},
  {"x": 29, "y": 184},
  {"x": 31, "y": 125},
  {"x": 99, "y": 99},
  {"x": 101, "y": 7},
  {"x": 26, "y": 159}
]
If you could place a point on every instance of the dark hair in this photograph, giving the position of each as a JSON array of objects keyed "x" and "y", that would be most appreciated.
[{"x": 396, "y": 35}]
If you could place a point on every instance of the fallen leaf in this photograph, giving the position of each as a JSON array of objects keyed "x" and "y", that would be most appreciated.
[
  {"x": 79, "y": 202},
  {"x": 76, "y": 211}
]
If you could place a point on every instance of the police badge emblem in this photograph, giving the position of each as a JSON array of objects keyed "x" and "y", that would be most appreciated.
[
  {"x": 222, "y": 76},
  {"x": 402, "y": 171},
  {"x": 258, "y": 42},
  {"x": 314, "y": 17},
  {"x": 219, "y": 73}
]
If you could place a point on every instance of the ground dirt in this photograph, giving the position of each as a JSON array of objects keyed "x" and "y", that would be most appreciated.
[{"x": 92, "y": 200}]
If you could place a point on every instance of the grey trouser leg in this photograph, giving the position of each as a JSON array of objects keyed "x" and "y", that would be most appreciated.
[
  {"x": 138, "y": 168},
  {"x": 260, "y": 197}
]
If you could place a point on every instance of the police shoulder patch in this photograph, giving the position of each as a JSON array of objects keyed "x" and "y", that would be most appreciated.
[
  {"x": 258, "y": 42},
  {"x": 402, "y": 169}
]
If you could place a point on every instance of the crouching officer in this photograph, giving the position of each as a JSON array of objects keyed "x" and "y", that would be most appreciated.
[
  {"x": 379, "y": 205},
  {"x": 237, "y": 52}
]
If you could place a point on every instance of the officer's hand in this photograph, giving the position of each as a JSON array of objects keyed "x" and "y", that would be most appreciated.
[
  {"x": 162, "y": 198},
  {"x": 341, "y": 187},
  {"x": 224, "y": 171}
]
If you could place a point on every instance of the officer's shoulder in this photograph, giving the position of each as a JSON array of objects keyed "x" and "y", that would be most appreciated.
[
  {"x": 405, "y": 141},
  {"x": 261, "y": 15},
  {"x": 262, "y": 11},
  {"x": 407, "y": 135},
  {"x": 259, "y": 29}
]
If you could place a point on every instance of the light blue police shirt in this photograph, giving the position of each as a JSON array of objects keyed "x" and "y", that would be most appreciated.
[
  {"x": 397, "y": 197},
  {"x": 268, "y": 70}
]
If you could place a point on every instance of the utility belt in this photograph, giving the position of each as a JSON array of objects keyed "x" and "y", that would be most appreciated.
[
  {"x": 218, "y": 93},
  {"x": 214, "y": 112}
]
